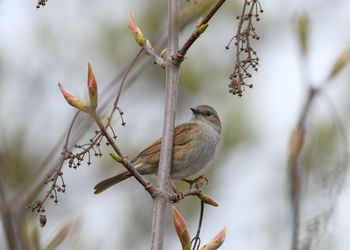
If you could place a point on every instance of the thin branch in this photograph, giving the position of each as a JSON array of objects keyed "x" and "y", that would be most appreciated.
[
  {"x": 7, "y": 216},
  {"x": 176, "y": 198},
  {"x": 196, "y": 239},
  {"x": 295, "y": 166},
  {"x": 125, "y": 75},
  {"x": 146, "y": 184},
  {"x": 172, "y": 77},
  {"x": 151, "y": 52},
  {"x": 180, "y": 55}
]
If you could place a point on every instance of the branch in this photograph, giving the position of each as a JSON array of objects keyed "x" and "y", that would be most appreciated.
[
  {"x": 172, "y": 77},
  {"x": 176, "y": 198},
  {"x": 144, "y": 43},
  {"x": 146, "y": 184},
  {"x": 7, "y": 215},
  {"x": 297, "y": 142},
  {"x": 180, "y": 55}
]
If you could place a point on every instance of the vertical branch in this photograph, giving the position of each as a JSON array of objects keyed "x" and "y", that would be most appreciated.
[
  {"x": 10, "y": 226},
  {"x": 172, "y": 72},
  {"x": 297, "y": 138}
]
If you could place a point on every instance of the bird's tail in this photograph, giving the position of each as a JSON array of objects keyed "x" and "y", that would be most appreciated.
[
  {"x": 143, "y": 169},
  {"x": 107, "y": 183}
]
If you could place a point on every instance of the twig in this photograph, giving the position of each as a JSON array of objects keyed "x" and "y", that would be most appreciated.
[
  {"x": 245, "y": 56},
  {"x": 196, "y": 238},
  {"x": 146, "y": 184},
  {"x": 124, "y": 77},
  {"x": 151, "y": 52},
  {"x": 180, "y": 55},
  {"x": 175, "y": 198},
  {"x": 7, "y": 215},
  {"x": 38, "y": 205},
  {"x": 172, "y": 77},
  {"x": 294, "y": 164}
]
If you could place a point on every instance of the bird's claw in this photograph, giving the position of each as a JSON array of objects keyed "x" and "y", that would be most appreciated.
[{"x": 197, "y": 182}]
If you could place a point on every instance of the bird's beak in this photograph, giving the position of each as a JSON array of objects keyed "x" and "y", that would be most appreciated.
[{"x": 195, "y": 111}]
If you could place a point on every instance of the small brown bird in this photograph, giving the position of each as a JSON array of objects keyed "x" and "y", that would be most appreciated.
[{"x": 195, "y": 144}]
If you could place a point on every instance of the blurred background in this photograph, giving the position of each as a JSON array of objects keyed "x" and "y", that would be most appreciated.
[{"x": 248, "y": 178}]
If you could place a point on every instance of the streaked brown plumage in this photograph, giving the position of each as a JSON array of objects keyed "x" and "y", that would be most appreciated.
[{"x": 195, "y": 144}]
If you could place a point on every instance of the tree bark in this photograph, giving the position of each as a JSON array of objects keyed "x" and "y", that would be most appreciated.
[{"x": 172, "y": 72}]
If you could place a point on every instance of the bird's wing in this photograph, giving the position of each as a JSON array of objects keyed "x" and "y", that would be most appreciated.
[{"x": 183, "y": 134}]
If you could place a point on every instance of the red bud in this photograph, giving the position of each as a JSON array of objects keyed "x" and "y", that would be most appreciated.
[{"x": 181, "y": 229}]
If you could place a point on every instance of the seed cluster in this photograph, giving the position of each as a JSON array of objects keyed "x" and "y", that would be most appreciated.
[
  {"x": 56, "y": 181},
  {"x": 41, "y": 3},
  {"x": 246, "y": 57}
]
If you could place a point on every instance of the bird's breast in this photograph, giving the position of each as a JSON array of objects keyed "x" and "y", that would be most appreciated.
[{"x": 196, "y": 154}]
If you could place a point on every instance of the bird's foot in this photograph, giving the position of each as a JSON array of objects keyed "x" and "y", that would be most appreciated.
[
  {"x": 197, "y": 182},
  {"x": 179, "y": 194}
]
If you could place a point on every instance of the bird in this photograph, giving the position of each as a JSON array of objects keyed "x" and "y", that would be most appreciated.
[{"x": 195, "y": 145}]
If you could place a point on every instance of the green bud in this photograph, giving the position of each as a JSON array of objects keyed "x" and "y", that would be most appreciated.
[
  {"x": 202, "y": 28},
  {"x": 116, "y": 157}
]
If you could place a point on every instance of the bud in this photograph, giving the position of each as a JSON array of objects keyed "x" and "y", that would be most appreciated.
[
  {"x": 42, "y": 220},
  {"x": 208, "y": 200},
  {"x": 342, "y": 60},
  {"x": 303, "y": 31},
  {"x": 116, "y": 157},
  {"x": 135, "y": 30},
  {"x": 216, "y": 242},
  {"x": 296, "y": 141},
  {"x": 72, "y": 100},
  {"x": 163, "y": 53},
  {"x": 181, "y": 229},
  {"x": 199, "y": 22},
  {"x": 202, "y": 28},
  {"x": 92, "y": 86}
]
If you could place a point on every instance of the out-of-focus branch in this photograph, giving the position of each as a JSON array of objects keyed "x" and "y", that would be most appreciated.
[
  {"x": 172, "y": 77},
  {"x": 297, "y": 138},
  {"x": 8, "y": 217},
  {"x": 297, "y": 142}
]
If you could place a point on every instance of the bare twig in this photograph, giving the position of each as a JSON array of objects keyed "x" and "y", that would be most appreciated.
[
  {"x": 52, "y": 193},
  {"x": 151, "y": 52},
  {"x": 124, "y": 77},
  {"x": 172, "y": 77},
  {"x": 196, "y": 239},
  {"x": 8, "y": 220},
  {"x": 146, "y": 184},
  {"x": 176, "y": 198},
  {"x": 297, "y": 143}
]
